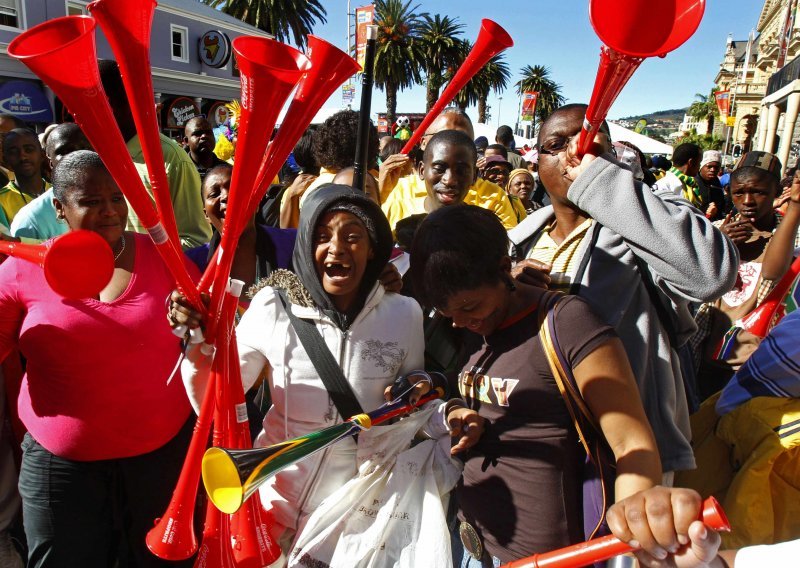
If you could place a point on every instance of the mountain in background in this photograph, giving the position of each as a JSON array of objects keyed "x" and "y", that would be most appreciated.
[
  {"x": 661, "y": 115},
  {"x": 660, "y": 124}
]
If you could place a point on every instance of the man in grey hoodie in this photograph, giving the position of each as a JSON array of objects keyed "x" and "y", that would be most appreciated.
[{"x": 638, "y": 257}]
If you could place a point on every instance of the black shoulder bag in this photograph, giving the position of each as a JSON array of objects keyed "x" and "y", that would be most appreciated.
[{"x": 328, "y": 369}]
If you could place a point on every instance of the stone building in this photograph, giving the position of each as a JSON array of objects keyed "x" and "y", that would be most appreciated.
[
  {"x": 778, "y": 112},
  {"x": 747, "y": 88}
]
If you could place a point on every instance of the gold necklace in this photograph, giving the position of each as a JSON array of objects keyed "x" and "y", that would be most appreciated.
[{"x": 121, "y": 250}]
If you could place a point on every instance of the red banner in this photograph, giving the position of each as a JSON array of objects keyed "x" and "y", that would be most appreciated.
[
  {"x": 529, "y": 99},
  {"x": 786, "y": 33},
  {"x": 723, "y": 102},
  {"x": 365, "y": 15}
]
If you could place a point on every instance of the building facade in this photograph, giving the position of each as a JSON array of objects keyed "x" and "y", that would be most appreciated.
[
  {"x": 193, "y": 68},
  {"x": 698, "y": 125},
  {"x": 779, "y": 107},
  {"x": 744, "y": 73}
]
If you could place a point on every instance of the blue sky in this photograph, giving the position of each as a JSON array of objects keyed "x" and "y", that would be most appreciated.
[{"x": 558, "y": 34}]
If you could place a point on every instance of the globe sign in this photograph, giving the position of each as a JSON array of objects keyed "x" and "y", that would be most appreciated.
[{"x": 214, "y": 49}]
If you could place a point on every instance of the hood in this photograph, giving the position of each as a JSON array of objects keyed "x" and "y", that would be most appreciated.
[{"x": 314, "y": 207}]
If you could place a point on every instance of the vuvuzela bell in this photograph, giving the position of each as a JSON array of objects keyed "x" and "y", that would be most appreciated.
[{"x": 232, "y": 476}]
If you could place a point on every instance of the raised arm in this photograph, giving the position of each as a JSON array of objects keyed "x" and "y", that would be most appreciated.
[
  {"x": 390, "y": 171},
  {"x": 780, "y": 250},
  {"x": 196, "y": 366},
  {"x": 606, "y": 382},
  {"x": 685, "y": 253}
]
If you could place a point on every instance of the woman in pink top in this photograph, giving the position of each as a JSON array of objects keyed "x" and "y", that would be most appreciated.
[{"x": 107, "y": 429}]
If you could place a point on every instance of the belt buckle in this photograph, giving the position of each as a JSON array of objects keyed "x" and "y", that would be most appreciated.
[{"x": 471, "y": 540}]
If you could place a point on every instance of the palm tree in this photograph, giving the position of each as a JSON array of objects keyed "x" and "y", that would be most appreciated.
[
  {"x": 399, "y": 53},
  {"x": 492, "y": 77},
  {"x": 440, "y": 42},
  {"x": 284, "y": 19},
  {"x": 537, "y": 78},
  {"x": 468, "y": 95},
  {"x": 704, "y": 108}
]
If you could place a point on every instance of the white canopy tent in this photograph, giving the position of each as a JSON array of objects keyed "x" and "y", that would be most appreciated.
[
  {"x": 490, "y": 131},
  {"x": 322, "y": 115},
  {"x": 644, "y": 143},
  {"x": 618, "y": 134}
]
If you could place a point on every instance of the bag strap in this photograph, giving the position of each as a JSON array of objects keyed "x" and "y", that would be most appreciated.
[
  {"x": 575, "y": 288},
  {"x": 577, "y": 408},
  {"x": 662, "y": 311},
  {"x": 327, "y": 368},
  {"x": 573, "y": 399}
]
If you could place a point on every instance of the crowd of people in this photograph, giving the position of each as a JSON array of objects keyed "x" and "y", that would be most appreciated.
[{"x": 578, "y": 305}]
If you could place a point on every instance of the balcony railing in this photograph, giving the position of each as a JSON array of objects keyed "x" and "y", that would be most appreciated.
[
  {"x": 787, "y": 74},
  {"x": 750, "y": 89}
]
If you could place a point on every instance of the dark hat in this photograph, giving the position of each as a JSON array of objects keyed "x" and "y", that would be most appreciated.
[
  {"x": 360, "y": 214},
  {"x": 761, "y": 160},
  {"x": 497, "y": 159}
]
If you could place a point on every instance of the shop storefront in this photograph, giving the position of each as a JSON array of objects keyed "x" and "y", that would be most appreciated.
[
  {"x": 176, "y": 110},
  {"x": 191, "y": 56}
]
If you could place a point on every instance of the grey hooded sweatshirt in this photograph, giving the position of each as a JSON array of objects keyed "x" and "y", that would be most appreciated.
[{"x": 640, "y": 235}]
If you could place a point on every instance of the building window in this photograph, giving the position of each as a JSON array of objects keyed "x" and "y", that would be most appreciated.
[
  {"x": 9, "y": 13},
  {"x": 76, "y": 9},
  {"x": 179, "y": 42}
]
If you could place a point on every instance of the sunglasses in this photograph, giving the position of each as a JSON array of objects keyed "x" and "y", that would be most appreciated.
[
  {"x": 557, "y": 144},
  {"x": 554, "y": 146}
]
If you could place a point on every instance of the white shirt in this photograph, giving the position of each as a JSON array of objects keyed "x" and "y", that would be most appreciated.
[{"x": 781, "y": 555}]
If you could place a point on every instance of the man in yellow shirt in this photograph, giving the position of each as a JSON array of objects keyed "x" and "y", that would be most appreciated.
[
  {"x": 447, "y": 170},
  {"x": 401, "y": 191},
  {"x": 23, "y": 155}
]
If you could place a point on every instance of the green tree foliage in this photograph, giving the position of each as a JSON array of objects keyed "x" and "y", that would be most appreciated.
[
  {"x": 286, "y": 20},
  {"x": 537, "y": 78},
  {"x": 399, "y": 53},
  {"x": 705, "y": 141},
  {"x": 439, "y": 36},
  {"x": 704, "y": 108}
]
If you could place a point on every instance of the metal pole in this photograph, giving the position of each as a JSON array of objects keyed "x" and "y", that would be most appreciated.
[
  {"x": 499, "y": 102},
  {"x": 732, "y": 112},
  {"x": 361, "y": 164},
  {"x": 349, "y": 37}
]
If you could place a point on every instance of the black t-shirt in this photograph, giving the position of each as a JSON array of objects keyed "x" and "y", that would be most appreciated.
[
  {"x": 204, "y": 171},
  {"x": 521, "y": 487}
]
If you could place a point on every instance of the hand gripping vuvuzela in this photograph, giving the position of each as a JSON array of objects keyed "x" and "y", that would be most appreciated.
[{"x": 599, "y": 549}]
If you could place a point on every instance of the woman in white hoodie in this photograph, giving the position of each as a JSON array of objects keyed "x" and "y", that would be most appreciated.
[{"x": 343, "y": 243}]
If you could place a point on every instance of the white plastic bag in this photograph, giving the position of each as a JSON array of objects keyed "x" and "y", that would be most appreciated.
[{"x": 392, "y": 514}]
